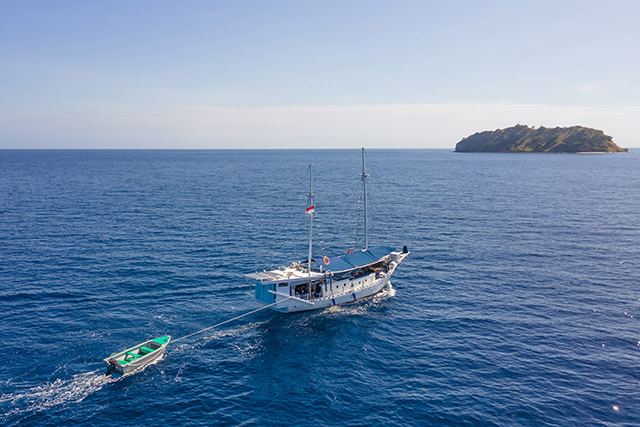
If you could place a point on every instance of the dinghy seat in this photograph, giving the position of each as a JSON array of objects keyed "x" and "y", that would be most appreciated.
[
  {"x": 131, "y": 356},
  {"x": 146, "y": 350}
]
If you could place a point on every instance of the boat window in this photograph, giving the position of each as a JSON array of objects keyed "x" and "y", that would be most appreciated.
[{"x": 282, "y": 284}]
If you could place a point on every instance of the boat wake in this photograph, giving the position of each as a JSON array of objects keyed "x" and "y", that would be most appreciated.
[
  {"x": 59, "y": 392},
  {"x": 219, "y": 334},
  {"x": 387, "y": 292},
  {"x": 362, "y": 306},
  {"x": 54, "y": 393}
]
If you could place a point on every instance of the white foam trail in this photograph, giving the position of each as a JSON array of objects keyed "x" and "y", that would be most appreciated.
[
  {"x": 387, "y": 292},
  {"x": 362, "y": 306},
  {"x": 55, "y": 393},
  {"x": 61, "y": 391},
  {"x": 218, "y": 334}
]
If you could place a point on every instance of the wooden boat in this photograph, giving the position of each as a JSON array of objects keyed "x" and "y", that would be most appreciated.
[
  {"x": 323, "y": 281},
  {"x": 137, "y": 356}
]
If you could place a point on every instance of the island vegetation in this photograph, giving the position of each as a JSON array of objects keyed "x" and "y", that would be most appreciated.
[{"x": 525, "y": 139}]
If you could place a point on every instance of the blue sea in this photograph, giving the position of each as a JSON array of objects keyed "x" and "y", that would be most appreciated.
[{"x": 518, "y": 305}]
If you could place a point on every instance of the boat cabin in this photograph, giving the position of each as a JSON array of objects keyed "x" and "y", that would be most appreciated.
[{"x": 328, "y": 277}]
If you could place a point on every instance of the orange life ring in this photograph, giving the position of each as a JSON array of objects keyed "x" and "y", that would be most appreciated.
[
  {"x": 326, "y": 260},
  {"x": 350, "y": 251}
]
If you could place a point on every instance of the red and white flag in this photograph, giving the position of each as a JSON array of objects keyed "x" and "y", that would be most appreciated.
[{"x": 310, "y": 209}]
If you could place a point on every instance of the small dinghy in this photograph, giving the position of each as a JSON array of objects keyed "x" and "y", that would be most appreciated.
[{"x": 137, "y": 356}]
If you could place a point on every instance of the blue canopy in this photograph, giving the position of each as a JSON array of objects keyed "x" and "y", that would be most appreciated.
[
  {"x": 381, "y": 251},
  {"x": 335, "y": 264},
  {"x": 369, "y": 256},
  {"x": 360, "y": 258},
  {"x": 356, "y": 259}
]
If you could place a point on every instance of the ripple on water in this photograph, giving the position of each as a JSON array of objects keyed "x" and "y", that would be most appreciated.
[{"x": 517, "y": 305}]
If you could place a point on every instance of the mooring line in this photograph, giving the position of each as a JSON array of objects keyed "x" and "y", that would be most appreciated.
[{"x": 230, "y": 320}]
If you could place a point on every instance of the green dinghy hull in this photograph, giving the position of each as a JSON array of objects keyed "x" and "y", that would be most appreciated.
[{"x": 137, "y": 356}]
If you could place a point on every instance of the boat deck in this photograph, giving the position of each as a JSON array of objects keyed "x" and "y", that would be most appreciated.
[{"x": 283, "y": 274}]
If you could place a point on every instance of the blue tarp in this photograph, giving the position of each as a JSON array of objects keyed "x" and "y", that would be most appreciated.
[
  {"x": 381, "y": 251},
  {"x": 368, "y": 256},
  {"x": 263, "y": 294},
  {"x": 335, "y": 264},
  {"x": 360, "y": 258},
  {"x": 356, "y": 259}
]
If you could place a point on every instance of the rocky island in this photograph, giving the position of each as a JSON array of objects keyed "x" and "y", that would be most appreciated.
[{"x": 525, "y": 139}]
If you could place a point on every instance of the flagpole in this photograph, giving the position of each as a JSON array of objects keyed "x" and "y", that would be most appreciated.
[
  {"x": 364, "y": 190},
  {"x": 311, "y": 206}
]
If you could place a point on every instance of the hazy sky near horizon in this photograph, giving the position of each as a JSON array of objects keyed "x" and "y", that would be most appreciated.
[{"x": 317, "y": 74}]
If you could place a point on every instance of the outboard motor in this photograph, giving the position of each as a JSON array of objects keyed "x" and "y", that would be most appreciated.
[
  {"x": 405, "y": 250},
  {"x": 112, "y": 367}
]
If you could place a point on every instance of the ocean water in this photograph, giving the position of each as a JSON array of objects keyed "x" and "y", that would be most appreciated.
[{"x": 519, "y": 303}]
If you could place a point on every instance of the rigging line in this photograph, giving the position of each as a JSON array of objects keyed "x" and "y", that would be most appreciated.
[
  {"x": 375, "y": 194},
  {"x": 230, "y": 320},
  {"x": 317, "y": 229},
  {"x": 356, "y": 192},
  {"x": 322, "y": 243},
  {"x": 358, "y": 214}
]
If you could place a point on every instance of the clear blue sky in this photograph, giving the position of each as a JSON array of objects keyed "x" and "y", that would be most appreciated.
[{"x": 279, "y": 73}]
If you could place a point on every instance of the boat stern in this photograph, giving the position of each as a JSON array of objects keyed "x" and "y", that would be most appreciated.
[{"x": 263, "y": 295}]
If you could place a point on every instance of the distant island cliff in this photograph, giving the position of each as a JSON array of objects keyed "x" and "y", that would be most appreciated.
[{"x": 525, "y": 139}]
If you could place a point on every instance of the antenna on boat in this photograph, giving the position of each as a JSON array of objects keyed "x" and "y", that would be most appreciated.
[
  {"x": 310, "y": 211},
  {"x": 364, "y": 176}
]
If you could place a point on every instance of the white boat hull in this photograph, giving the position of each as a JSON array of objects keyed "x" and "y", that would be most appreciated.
[
  {"x": 138, "y": 356},
  {"x": 292, "y": 305},
  {"x": 353, "y": 291},
  {"x": 140, "y": 363}
]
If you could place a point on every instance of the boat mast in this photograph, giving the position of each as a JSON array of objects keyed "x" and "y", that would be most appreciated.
[
  {"x": 310, "y": 210},
  {"x": 364, "y": 176}
]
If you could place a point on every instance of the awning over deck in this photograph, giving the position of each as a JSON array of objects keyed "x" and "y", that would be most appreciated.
[
  {"x": 356, "y": 259},
  {"x": 335, "y": 264}
]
